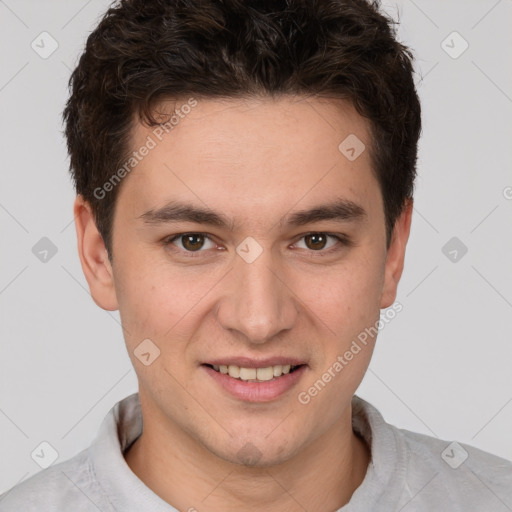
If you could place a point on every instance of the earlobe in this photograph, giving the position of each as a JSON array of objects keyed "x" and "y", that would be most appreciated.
[
  {"x": 396, "y": 255},
  {"x": 93, "y": 256}
]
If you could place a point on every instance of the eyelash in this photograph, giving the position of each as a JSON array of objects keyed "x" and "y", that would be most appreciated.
[{"x": 342, "y": 240}]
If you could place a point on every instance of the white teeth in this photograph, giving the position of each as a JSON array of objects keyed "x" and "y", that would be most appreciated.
[
  {"x": 247, "y": 373},
  {"x": 234, "y": 371},
  {"x": 253, "y": 374},
  {"x": 265, "y": 373}
]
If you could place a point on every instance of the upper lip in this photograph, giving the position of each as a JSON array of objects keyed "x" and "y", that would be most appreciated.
[{"x": 249, "y": 362}]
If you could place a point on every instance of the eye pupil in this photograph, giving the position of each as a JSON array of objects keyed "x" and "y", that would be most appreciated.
[
  {"x": 318, "y": 240},
  {"x": 190, "y": 242}
]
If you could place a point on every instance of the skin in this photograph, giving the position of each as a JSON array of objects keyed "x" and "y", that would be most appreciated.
[{"x": 256, "y": 161}]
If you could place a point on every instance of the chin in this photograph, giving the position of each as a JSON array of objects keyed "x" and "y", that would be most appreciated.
[{"x": 254, "y": 451}]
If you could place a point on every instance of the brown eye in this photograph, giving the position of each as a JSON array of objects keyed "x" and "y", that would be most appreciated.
[
  {"x": 315, "y": 241},
  {"x": 190, "y": 242},
  {"x": 193, "y": 241},
  {"x": 323, "y": 243}
]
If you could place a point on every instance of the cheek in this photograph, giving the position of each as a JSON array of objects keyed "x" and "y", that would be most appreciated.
[
  {"x": 348, "y": 303},
  {"x": 160, "y": 300},
  {"x": 345, "y": 298},
  {"x": 157, "y": 300}
]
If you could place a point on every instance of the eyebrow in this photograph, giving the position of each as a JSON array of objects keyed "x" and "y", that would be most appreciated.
[{"x": 341, "y": 210}]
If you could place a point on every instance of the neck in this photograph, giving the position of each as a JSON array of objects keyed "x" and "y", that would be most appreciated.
[{"x": 322, "y": 477}]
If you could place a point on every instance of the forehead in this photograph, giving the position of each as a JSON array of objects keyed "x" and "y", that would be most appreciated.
[{"x": 251, "y": 153}]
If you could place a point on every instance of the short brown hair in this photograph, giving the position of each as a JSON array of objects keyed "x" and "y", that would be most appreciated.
[{"x": 143, "y": 51}]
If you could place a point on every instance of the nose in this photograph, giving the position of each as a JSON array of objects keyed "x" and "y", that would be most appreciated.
[{"x": 258, "y": 301}]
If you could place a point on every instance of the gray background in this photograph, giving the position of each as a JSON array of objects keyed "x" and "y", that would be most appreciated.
[{"x": 441, "y": 367}]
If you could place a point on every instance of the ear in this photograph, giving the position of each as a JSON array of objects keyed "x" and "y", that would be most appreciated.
[
  {"x": 94, "y": 257},
  {"x": 396, "y": 255}
]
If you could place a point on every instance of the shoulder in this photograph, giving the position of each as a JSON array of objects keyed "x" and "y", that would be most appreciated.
[
  {"x": 448, "y": 456},
  {"x": 455, "y": 473},
  {"x": 410, "y": 471},
  {"x": 68, "y": 485}
]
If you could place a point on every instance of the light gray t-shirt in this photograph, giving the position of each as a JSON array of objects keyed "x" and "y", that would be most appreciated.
[{"x": 408, "y": 472}]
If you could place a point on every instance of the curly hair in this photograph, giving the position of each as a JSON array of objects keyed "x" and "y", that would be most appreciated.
[{"x": 146, "y": 51}]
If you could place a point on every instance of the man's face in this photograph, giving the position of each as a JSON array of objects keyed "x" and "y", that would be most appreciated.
[{"x": 260, "y": 287}]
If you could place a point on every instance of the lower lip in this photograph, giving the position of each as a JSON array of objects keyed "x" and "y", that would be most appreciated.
[{"x": 264, "y": 391}]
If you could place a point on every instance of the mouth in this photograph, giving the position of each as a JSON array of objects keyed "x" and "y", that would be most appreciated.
[
  {"x": 260, "y": 374},
  {"x": 256, "y": 381}
]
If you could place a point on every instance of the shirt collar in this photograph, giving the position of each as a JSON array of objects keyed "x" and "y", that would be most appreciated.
[
  {"x": 381, "y": 487},
  {"x": 123, "y": 425},
  {"x": 120, "y": 428}
]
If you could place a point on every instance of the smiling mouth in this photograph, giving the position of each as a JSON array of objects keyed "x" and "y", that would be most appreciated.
[{"x": 266, "y": 374}]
